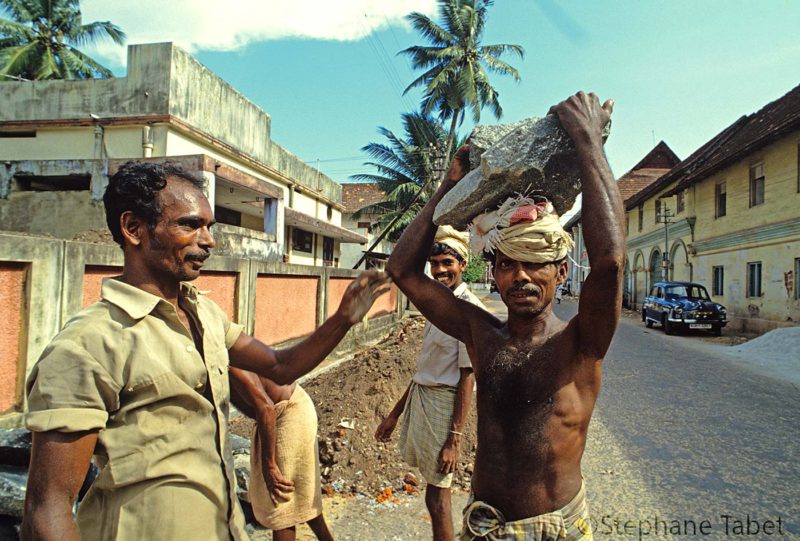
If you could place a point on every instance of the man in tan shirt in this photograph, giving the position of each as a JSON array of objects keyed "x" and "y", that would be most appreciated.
[{"x": 140, "y": 380}]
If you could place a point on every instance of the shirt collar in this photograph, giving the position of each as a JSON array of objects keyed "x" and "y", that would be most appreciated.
[
  {"x": 460, "y": 289},
  {"x": 137, "y": 302}
]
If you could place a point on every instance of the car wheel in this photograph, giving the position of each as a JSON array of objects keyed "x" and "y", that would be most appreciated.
[
  {"x": 716, "y": 331},
  {"x": 669, "y": 328}
]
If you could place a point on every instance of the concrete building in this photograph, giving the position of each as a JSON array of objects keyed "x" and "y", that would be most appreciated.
[
  {"x": 60, "y": 140},
  {"x": 355, "y": 198},
  {"x": 279, "y": 234},
  {"x": 643, "y": 234},
  {"x": 742, "y": 190}
]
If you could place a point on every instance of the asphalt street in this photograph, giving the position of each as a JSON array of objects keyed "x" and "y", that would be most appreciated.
[
  {"x": 682, "y": 434},
  {"x": 685, "y": 443}
]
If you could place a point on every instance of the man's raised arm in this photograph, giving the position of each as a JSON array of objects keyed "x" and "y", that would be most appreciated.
[
  {"x": 406, "y": 265},
  {"x": 602, "y": 213}
]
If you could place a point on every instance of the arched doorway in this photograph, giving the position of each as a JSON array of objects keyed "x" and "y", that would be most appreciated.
[
  {"x": 639, "y": 279},
  {"x": 626, "y": 286},
  {"x": 655, "y": 268},
  {"x": 679, "y": 260}
]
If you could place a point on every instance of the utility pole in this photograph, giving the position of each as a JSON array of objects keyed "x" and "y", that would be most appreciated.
[{"x": 664, "y": 217}]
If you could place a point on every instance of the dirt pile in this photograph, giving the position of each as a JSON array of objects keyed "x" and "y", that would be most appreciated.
[{"x": 351, "y": 401}]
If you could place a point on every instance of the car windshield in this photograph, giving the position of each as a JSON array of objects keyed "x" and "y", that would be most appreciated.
[{"x": 687, "y": 292}]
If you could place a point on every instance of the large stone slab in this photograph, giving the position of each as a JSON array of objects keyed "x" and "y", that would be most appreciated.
[
  {"x": 532, "y": 156},
  {"x": 15, "y": 447},
  {"x": 12, "y": 490}
]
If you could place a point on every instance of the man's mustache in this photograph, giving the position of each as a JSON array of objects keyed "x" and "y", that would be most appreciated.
[
  {"x": 198, "y": 257},
  {"x": 526, "y": 288}
]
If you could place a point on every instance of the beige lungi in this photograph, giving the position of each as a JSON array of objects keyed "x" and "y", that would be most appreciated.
[
  {"x": 426, "y": 424},
  {"x": 570, "y": 523},
  {"x": 297, "y": 457}
]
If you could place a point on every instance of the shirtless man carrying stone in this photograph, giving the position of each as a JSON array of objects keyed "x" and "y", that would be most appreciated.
[{"x": 538, "y": 376}]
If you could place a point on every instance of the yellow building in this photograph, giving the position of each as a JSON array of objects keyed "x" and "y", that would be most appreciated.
[
  {"x": 60, "y": 140},
  {"x": 743, "y": 194}
]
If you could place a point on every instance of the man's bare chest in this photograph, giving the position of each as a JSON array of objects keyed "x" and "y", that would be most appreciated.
[{"x": 528, "y": 389}]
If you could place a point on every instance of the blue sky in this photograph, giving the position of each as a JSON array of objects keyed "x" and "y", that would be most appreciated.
[{"x": 327, "y": 72}]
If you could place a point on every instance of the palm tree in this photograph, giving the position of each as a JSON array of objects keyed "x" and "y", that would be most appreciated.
[
  {"x": 405, "y": 170},
  {"x": 40, "y": 40},
  {"x": 456, "y": 63}
]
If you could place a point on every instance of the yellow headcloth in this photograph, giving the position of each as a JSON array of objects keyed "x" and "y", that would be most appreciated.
[
  {"x": 538, "y": 241},
  {"x": 454, "y": 239}
]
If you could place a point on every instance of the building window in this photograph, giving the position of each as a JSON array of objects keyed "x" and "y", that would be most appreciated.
[
  {"x": 17, "y": 134},
  {"x": 795, "y": 278},
  {"x": 228, "y": 216},
  {"x": 681, "y": 203},
  {"x": 757, "y": 185},
  {"x": 720, "y": 199},
  {"x": 658, "y": 211},
  {"x": 641, "y": 216},
  {"x": 627, "y": 224},
  {"x": 718, "y": 281},
  {"x": 302, "y": 241},
  {"x": 363, "y": 225},
  {"x": 327, "y": 251},
  {"x": 754, "y": 279},
  {"x": 37, "y": 183}
]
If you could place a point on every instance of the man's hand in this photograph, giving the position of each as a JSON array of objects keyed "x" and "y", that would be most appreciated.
[
  {"x": 583, "y": 118},
  {"x": 460, "y": 165},
  {"x": 448, "y": 456},
  {"x": 361, "y": 294},
  {"x": 278, "y": 487},
  {"x": 385, "y": 429}
]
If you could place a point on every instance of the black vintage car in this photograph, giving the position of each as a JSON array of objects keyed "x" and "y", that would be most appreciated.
[{"x": 683, "y": 305}]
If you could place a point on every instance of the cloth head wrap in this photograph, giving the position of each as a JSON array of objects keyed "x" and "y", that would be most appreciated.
[
  {"x": 454, "y": 239},
  {"x": 523, "y": 229}
]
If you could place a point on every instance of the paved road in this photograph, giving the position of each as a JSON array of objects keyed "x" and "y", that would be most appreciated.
[{"x": 681, "y": 434}]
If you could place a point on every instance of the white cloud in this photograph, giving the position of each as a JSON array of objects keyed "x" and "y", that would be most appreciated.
[{"x": 228, "y": 25}]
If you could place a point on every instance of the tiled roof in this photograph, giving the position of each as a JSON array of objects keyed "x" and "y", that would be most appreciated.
[
  {"x": 637, "y": 180},
  {"x": 746, "y": 135},
  {"x": 358, "y": 195},
  {"x": 653, "y": 166}
]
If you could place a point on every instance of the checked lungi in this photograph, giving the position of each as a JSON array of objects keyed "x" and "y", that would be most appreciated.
[
  {"x": 426, "y": 425},
  {"x": 570, "y": 523}
]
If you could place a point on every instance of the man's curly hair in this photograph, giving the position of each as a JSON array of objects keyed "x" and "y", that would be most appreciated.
[{"x": 134, "y": 187}]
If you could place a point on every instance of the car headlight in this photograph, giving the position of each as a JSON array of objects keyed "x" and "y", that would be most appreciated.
[{"x": 677, "y": 311}]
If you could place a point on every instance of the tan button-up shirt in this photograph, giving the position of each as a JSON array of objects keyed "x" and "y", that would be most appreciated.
[{"x": 128, "y": 367}]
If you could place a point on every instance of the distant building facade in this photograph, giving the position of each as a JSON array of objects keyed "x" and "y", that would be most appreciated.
[
  {"x": 61, "y": 140},
  {"x": 728, "y": 217},
  {"x": 744, "y": 189},
  {"x": 356, "y": 197},
  {"x": 643, "y": 234}
]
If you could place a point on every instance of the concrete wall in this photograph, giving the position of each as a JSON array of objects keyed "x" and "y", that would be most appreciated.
[
  {"x": 144, "y": 91},
  {"x": 51, "y": 213},
  {"x": 45, "y": 281},
  {"x": 12, "y": 291},
  {"x": 309, "y": 176}
]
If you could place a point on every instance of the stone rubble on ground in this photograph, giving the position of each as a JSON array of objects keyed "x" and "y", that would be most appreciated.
[{"x": 531, "y": 156}]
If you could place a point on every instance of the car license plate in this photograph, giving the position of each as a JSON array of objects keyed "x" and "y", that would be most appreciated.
[{"x": 700, "y": 325}]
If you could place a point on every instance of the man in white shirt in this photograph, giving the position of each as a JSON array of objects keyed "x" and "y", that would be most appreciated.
[{"x": 436, "y": 403}]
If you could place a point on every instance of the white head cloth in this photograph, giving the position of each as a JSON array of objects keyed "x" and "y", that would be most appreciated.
[
  {"x": 454, "y": 239},
  {"x": 523, "y": 228}
]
